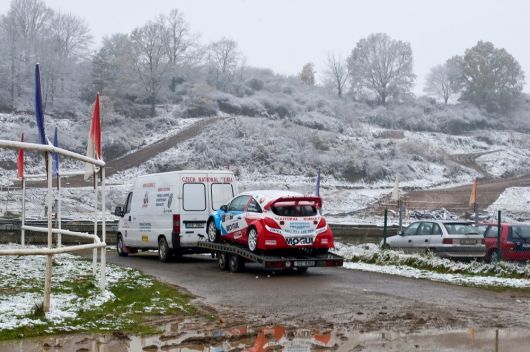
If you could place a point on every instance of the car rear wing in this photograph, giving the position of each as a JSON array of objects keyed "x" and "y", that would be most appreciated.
[{"x": 317, "y": 201}]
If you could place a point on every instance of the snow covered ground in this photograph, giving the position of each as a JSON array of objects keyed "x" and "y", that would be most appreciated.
[
  {"x": 514, "y": 203},
  {"x": 369, "y": 257}
]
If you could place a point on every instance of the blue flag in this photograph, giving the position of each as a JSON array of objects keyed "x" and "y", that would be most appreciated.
[
  {"x": 317, "y": 188},
  {"x": 39, "y": 113},
  {"x": 55, "y": 156}
]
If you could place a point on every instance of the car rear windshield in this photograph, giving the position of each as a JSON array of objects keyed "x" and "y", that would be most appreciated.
[
  {"x": 460, "y": 229},
  {"x": 520, "y": 232},
  {"x": 294, "y": 210}
]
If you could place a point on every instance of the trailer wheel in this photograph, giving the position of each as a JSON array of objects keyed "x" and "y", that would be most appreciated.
[
  {"x": 235, "y": 264},
  {"x": 222, "y": 261},
  {"x": 120, "y": 247},
  {"x": 163, "y": 250},
  {"x": 213, "y": 233}
]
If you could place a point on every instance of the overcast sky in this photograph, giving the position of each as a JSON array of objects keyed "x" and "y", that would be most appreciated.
[{"x": 285, "y": 34}]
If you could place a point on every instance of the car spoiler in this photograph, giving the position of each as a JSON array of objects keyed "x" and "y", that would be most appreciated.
[{"x": 315, "y": 199}]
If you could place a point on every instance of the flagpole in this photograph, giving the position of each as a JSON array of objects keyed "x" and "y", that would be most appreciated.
[
  {"x": 48, "y": 277},
  {"x": 23, "y": 215},
  {"x": 58, "y": 210},
  {"x": 95, "y": 251},
  {"x": 103, "y": 232}
]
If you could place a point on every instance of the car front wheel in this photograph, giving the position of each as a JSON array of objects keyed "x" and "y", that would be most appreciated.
[
  {"x": 213, "y": 233},
  {"x": 163, "y": 250}
]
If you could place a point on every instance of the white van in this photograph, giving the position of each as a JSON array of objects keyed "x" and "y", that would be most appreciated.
[{"x": 168, "y": 211}]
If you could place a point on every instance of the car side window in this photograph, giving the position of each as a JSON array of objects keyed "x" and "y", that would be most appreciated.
[
  {"x": 253, "y": 206},
  {"x": 436, "y": 230},
  {"x": 411, "y": 230},
  {"x": 491, "y": 231},
  {"x": 238, "y": 204},
  {"x": 425, "y": 229}
]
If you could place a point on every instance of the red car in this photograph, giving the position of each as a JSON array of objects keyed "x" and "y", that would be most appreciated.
[
  {"x": 515, "y": 241},
  {"x": 272, "y": 220}
]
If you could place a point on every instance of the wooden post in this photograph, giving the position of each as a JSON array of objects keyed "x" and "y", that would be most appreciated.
[
  {"x": 49, "y": 257},
  {"x": 103, "y": 274}
]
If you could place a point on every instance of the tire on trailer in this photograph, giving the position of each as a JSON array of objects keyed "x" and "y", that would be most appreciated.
[
  {"x": 235, "y": 263},
  {"x": 222, "y": 261},
  {"x": 164, "y": 252},
  {"x": 302, "y": 270},
  {"x": 252, "y": 239},
  {"x": 120, "y": 247},
  {"x": 212, "y": 233}
]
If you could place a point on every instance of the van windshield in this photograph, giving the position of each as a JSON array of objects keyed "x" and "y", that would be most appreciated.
[{"x": 294, "y": 210}]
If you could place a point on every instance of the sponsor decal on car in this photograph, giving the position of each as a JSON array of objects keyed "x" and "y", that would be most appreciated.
[
  {"x": 238, "y": 234},
  {"x": 299, "y": 241},
  {"x": 232, "y": 227}
]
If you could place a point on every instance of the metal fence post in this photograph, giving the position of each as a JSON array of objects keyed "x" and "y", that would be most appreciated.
[
  {"x": 96, "y": 211},
  {"x": 23, "y": 214},
  {"x": 499, "y": 250},
  {"x": 385, "y": 228},
  {"x": 49, "y": 257},
  {"x": 103, "y": 273}
]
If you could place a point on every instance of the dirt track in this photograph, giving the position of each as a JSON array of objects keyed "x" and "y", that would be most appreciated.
[{"x": 337, "y": 297}]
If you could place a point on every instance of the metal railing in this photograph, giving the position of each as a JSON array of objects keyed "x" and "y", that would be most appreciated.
[{"x": 48, "y": 150}]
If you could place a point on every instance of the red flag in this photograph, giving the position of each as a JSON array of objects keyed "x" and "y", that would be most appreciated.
[
  {"x": 94, "y": 140},
  {"x": 20, "y": 160}
]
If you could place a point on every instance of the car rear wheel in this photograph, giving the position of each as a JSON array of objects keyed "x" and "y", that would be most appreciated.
[
  {"x": 235, "y": 264},
  {"x": 120, "y": 247},
  {"x": 213, "y": 233},
  {"x": 492, "y": 257},
  {"x": 222, "y": 261},
  {"x": 252, "y": 239},
  {"x": 163, "y": 250}
]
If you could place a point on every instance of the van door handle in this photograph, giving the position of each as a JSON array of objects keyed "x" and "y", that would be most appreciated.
[
  {"x": 426, "y": 240},
  {"x": 129, "y": 218},
  {"x": 410, "y": 241}
]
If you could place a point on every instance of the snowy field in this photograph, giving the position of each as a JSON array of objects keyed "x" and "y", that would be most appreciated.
[
  {"x": 369, "y": 257},
  {"x": 74, "y": 293},
  {"x": 514, "y": 203}
]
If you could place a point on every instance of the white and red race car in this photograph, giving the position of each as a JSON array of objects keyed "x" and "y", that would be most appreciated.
[{"x": 271, "y": 220}]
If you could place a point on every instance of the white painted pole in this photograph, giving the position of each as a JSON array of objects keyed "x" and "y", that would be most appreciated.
[
  {"x": 96, "y": 211},
  {"x": 23, "y": 215},
  {"x": 48, "y": 278},
  {"x": 103, "y": 281},
  {"x": 59, "y": 217}
]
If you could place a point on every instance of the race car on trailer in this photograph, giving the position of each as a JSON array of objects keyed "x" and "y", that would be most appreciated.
[{"x": 277, "y": 229}]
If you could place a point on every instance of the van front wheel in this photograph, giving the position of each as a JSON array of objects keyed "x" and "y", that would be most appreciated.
[
  {"x": 120, "y": 247},
  {"x": 163, "y": 250},
  {"x": 213, "y": 233}
]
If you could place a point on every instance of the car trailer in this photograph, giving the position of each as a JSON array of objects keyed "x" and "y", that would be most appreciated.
[{"x": 232, "y": 257}]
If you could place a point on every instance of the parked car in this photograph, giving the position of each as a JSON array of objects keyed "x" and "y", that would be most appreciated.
[
  {"x": 168, "y": 211},
  {"x": 452, "y": 239},
  {"x": 270, "y": 220},
  {"x": 515, "y": 241}
]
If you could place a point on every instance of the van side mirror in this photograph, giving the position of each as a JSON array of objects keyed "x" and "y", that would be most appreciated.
[
  {"x": 224, "y": 207},
  {"x": 401, "y": 233},
  {"x": 118, "y": 212}
]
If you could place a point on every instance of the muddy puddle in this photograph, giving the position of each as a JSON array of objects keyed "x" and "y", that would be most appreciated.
[{"x": 198, "y": 336}]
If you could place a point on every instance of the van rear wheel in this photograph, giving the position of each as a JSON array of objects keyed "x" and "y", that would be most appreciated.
[
  {"x": 163, "y": 250},
  {"x": 213, "y": 233},
  {"x": 120, "y": 247}
]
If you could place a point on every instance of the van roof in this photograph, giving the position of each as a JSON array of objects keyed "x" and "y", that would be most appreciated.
[{"x": 180, "y": 172}]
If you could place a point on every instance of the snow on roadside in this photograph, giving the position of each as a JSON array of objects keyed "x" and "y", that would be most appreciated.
[{"x": 369, "y": 257}]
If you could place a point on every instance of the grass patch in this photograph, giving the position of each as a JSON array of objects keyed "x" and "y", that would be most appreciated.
[{"x": 130, "y": 304}]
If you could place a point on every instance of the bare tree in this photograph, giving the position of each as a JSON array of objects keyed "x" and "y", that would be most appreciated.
[
  {"x": 382, "y": 65},
  {"x": 151, "y": 59},
  {"x": 224, "y": 61},
  {"x": 336, "y": 72},
  {"x": 438, "y": 83},
  {"x": 176, "y": 36},
  {"x": 307, "y": 75}
]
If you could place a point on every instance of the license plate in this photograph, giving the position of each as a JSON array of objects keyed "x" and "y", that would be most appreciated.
[
  {"x": 468, "y": 242},
  {"x": 304, "y": 263}
]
